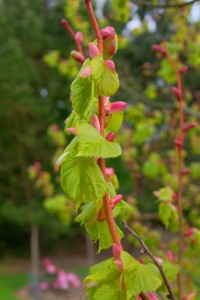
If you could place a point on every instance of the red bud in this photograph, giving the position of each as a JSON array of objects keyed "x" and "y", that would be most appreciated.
[
  {"x": 177, "y": 93},
  {"x": 86, "y": 72},
  {"x": 159, "y": 49},
  {"x": 78, "y": 56},
  {"x": 110, "y": 137},
  {"x": 183, "y": 69},
  {"x": 178, "y": 143},
  {"x": 72, "y": 130},
  {"x": 64, "y": 22},
  {"x": 79, "y": 37},
  {"x": 93, "y": 50},
  {"x": 190, "y": 126},
  {"x": 117, "y": 106},
  {"x": 110, "y": 64},
  {"x": 189, "y": 232},
  {"x": 110, "y": 171},
  {"x": 185, "y": 172},
  {"x": 170, "y": 256}
]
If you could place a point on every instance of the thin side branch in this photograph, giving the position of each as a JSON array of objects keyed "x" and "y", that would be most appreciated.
[
  {"x": 144, "y": 246},
  {"x": 169, "y": 5}
]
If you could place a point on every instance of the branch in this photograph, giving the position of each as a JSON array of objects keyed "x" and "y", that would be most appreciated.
[
  {"x": 140, "y": 240},
  {"x": 170, "y": 5}
]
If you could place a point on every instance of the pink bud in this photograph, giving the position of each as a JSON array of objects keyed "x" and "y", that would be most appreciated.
[
  {"x": 190, "y": 126},
  {"x": 105, "y": 100},
  {"x": 117, "y": 106},
  {"x": 170, "y": 256},
  {"x": 108, "y": 32},
  {"x": 116, "y": 200},
  {"x": 79, "y": 37},
  {"x": 78, "y": 56},
  {"x": 174, "y": 196},
  {"x": 93, "y": 50},
  {"x": 86, "y": 72},
  {"x": 117, "y": 249},
  {"x": 110, "y": 171},
  {"x": 152, "y": 296},
  {"x": 138, "y": 298},
  {"x": 37, "y": 166},
  {"x": 72, "y": 130},
  {"x": 185, "y": 172},
  {"x": 191, "y": 296},
  {"x": 189, "y": 232},
  {"x": 159, "y": 49},
  {"x": 44, "y": 285},
  {"x": 95, "y": 122},
  {"x": 110, "y": 137},
  {"x": 183, "y": 69},
  {"x": 110, "y": 64},
  {"x": 177, "y": 93},
  {"x": 64, "y": 22}
]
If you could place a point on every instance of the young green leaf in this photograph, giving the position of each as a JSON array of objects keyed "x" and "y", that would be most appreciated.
[
  {"x": 82, "y": 179},
  {"x": 115, "y": 121},
  {"x": 92, "y": 144},
  {"x": 82, "y": 90},
  {"x": 169, "y": 215},
  {"x": 138, "y": 277},
  {"x": 106, "y": 81}
]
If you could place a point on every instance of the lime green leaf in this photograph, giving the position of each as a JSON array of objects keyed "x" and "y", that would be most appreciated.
[
  {"x": 103, "y": 272},
  {"x": 115, "y": 121},
  {"x": 107, "y": 291},
  {"x": 92, "y": 144},
  {"x": 165, "y": 194},
  {"x": 138, "y": 277},
  {"x": 82, "y": 179},
  {"x": 71, "y": 121},
  {"x": 106, "y": 81},
  {"x": 168, "y": 215},
  {"x": 171, "y": 270},
  {"x": 100, "y": 231},
  {"x": 82, "y": 90},
  {"x": 89, "y": 210},
  {"x": 121, "y": 10}
]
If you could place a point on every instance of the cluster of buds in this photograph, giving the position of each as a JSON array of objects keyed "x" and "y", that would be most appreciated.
[{"x": 160, "y": 49}]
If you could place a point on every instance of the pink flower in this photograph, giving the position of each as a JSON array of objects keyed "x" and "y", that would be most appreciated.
[
  {"x": 62, "y": 280},
  {"x": 110, "y": 137},
  {"x": 116, "y": 200},
  {"x": 93, "y": 50},
  {"x": 110, "y": 65},
  {"x": 86, "y": 72},
  {"x": 177, "y": 92},
  {"x": 116, "y": 106},
  {"x": 44, "y": 285},
  {"x": 159, "y": 49},
  {"x": 95, "y": 122},
  {"x": 55, "y": 284},
  {"x": 51, "y": 269},
  {"x": 46, "y": 261},
  {"x": 78, "y": 56},
  {"x": 170, "y": 256},
  {"x": 73, "y": 280}
]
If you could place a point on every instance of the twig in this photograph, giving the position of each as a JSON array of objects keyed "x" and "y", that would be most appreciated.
[
  {"x": 170, "y": 5},
  {"x": 140, "y": 240}
]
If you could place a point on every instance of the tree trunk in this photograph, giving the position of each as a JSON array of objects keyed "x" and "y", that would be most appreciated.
[{"x": 34, "y": 280}]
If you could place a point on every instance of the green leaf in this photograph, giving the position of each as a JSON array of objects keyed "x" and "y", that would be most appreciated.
[
  {"x": 82, "y": 179},
  {"x": 71, "y": 121},
  {"x": 115, "y": 121},
  {"x": 138, "y": 277},
  {"x": 92, "y": 144},
  {"x": 100, "y": 231},
  {"x": 168, "y": 215},
  {"x": 89, "y": 210},
  {"x": 106, "y": 81},
  {"x": 82, "y": 90},
  {"x": 121, "y": 10},
  {"x": 171, "y": 270},
  {"x": 103, "y": 272},
  {"x": 165, "y": 194},
  {"x": 107, "y": 291}
]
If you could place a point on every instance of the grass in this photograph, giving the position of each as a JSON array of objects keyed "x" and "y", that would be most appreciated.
[{"x": 9, "y": 284}]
